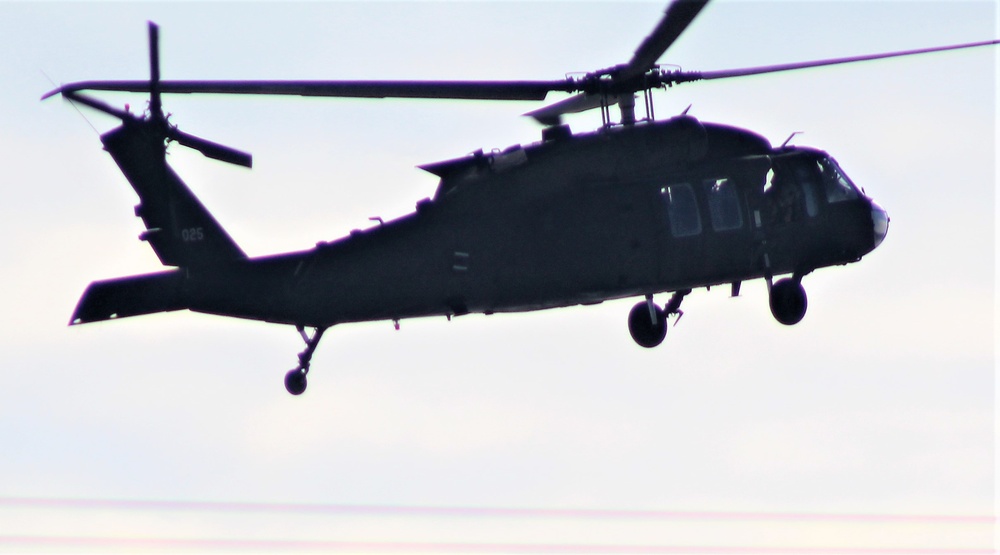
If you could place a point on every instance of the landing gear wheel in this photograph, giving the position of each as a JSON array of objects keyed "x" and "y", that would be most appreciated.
[
  {"x": 295, "y": 381},
  {"x": 647, "y": 329},
  {"x": 788, "y": 301}
]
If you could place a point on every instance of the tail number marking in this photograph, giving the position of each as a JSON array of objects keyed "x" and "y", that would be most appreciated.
[{"x": 192, "y": 234}]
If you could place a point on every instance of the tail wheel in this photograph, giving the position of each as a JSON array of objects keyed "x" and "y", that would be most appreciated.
[
  {"x": 648, "y": 324},
  {"x": 788, "y": 301},
  {"x": 295, "y": 379}
]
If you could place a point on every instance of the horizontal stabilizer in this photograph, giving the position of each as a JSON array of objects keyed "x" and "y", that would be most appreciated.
[{"x": 130, "y": 296}]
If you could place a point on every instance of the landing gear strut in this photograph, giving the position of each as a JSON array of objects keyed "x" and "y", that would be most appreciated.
[
  {"x": 788, "y": 301},
  {"x": 295, "y": 379},
  {"x": 648, "y": 323}
]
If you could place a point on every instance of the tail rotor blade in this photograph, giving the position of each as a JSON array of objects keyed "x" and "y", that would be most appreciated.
[
  {"x": 212, "y": 150},
  {"x": 98, "y": 105},
  {"x": 155, "y": 105}
]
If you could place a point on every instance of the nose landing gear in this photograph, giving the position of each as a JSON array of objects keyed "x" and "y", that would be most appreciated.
[
  {"x": 295, "y": 379},
  {"x": 647, "y": 323}
]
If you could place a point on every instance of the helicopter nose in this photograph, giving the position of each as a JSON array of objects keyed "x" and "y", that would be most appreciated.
[{"x": 880, "y": 224}]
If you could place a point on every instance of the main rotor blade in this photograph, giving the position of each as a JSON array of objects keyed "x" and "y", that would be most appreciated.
[
  {"x": 675, "y": 20},
  {"x": 552, "y": 114},
  {"x": 727, "y": 73},
  {"x": 469, "y": 90},
  {"x": 211, "y": 149}
]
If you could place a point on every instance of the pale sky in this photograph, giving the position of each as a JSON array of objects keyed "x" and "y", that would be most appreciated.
[{"x": 736, "y": 433}]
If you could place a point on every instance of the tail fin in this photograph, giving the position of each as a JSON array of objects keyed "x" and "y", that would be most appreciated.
[
  {"x": 178, "y": 226},
  {"x": 130, "y": 296}
]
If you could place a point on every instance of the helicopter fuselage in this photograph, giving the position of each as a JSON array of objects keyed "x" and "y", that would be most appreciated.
[
  {"x": 625, "y": 211},
  {"x": 636, "y": 208}
]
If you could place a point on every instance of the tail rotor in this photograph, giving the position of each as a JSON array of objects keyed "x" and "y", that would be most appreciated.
[
  {"x": 155, "y": 120},
  {"x": 155, "y": 104}
]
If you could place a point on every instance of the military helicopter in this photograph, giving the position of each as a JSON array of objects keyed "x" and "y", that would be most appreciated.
[{"x": 636, "y": 208}]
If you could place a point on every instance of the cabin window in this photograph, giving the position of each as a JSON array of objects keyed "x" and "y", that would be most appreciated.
[
  {"x": 838, "y": 188},
  {"x": 723, "y": 204},
  {"x": 682, "y": 210}
]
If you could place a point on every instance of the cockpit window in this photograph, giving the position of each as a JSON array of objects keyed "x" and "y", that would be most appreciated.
[
  {"x": 837, "y": 186},
  {"x": 723, "y": 204},
  {"x": 682, "y": 210}
]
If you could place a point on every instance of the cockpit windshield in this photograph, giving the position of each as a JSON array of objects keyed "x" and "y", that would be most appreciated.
[{"x": 836, "y": 184}]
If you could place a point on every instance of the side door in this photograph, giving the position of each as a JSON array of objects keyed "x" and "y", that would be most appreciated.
[
  {"x": 682, "y": 233},
  {"x": 728, "y": 238},
  {"x": 788, "y": 214},
  {"x": 708, "y": 235}
]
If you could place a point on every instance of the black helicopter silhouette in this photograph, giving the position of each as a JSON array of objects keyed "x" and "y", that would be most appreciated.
[{"x": 636, "y": 208}]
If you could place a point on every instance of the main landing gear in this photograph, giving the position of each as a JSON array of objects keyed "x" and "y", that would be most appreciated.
[
  {"x": 648, "y": 323},
  {"x": 788, "y": 300},
  {"x": 295, "y": 379}
]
